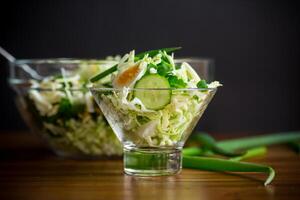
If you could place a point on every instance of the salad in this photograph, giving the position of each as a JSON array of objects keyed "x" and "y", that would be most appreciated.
[
  {"x": 153, "y": 101},
  {"x": 67, "y": 115}
]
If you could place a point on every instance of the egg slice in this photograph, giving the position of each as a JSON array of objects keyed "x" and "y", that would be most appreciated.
[{"x": 128, "y": 76}]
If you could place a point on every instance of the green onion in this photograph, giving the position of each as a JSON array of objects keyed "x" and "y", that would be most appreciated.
[
  {"x": 221, "y": 165},
  {"x": 152, "y": 53},
  {"x": 295, "y": 146},
  {"x": 256, "y": 141},
  {"x": 258, "y": 151},
  {"x": 104, "y": 74},
  {"x": 202, "y": 84},
  {"x": 209, "y": 143},
  {"x": 195, "y": 151}
]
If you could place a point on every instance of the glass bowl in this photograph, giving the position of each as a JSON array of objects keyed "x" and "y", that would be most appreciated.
[
  {"x": 152, "y": 139},
  {"x": 63, "y": 112}
]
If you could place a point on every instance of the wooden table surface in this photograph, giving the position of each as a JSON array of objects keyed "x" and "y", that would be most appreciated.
[{"x": 29, "y": 171}]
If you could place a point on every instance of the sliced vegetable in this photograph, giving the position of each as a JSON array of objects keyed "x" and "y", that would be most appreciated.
[
  {"x": 129, "y": 76},
  {"x": 221, "y": 165},
  {"x": 153, "y": 99}
]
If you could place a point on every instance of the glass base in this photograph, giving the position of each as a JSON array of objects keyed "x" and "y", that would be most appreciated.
[{"x": 152, "y": 161}]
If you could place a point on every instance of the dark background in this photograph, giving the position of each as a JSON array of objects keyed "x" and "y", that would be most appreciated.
[{"x": 255, "y": 44}]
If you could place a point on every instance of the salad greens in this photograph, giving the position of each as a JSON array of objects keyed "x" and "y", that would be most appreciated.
[
  {"x": 137, "y": 57},
  {"x": 147, "y": 104},
  {"x": 202, "y": 84},
  {"x": 68, "y": 115}
]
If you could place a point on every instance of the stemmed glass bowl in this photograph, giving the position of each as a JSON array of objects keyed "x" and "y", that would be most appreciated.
[{"x": 152, "y": 139}]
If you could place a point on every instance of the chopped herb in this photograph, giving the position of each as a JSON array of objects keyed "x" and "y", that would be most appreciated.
[
  {"x": 177, "y": 66},
  {"x": 108, "y": 85},
  {"x": 176, "y": 82},
  {"x": 68, "y": 110},
  {"x": 164, "y": 68},
  {"x": 202, "y": 84},
  {"x": 59, "y": 76},
  {"x": 149, "y": 66}
]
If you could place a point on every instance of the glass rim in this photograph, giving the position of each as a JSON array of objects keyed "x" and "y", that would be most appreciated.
[
  {"x": 95, "y": 88},
  {"x": 150, "y": 89},
  {"x": 61, "y": 61},
  {"x": 75, "y": 60}
]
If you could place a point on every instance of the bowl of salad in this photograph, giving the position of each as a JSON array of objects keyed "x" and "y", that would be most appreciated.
[
  {"x": 153, "y": 105},
  {"x": 54, "y": 101}
]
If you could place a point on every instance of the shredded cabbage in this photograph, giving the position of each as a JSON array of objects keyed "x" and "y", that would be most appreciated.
[
  {"x": 69, "y": 117},
  {"x": 165, "y": 127}
]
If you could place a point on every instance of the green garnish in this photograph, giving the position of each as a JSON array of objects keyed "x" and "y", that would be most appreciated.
[
  {"x": 202, "y": 84},
  {"x": 222, "y": 165},
  {"x": 176, "y": 82},
  {"x": 152, "y": 53},
  {"x": 164, "y": 68},
  {"x": 139, "y": 56},
  {"x": 67, "y": 109},
  {"x": 104, "y": 74}
]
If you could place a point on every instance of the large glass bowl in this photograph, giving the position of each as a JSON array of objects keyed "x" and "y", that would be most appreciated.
[
  {"x": 152, "y": 139},
  {"x": 76, "y": 128}
]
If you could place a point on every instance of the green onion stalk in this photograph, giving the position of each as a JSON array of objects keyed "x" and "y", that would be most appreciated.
[{"x": 234, "y": 151}]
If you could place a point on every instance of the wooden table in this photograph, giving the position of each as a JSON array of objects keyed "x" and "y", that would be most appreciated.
[{"x": 29, "y": 171}]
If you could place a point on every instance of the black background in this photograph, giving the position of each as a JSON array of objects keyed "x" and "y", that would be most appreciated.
[{"x": 255, "y": 44}]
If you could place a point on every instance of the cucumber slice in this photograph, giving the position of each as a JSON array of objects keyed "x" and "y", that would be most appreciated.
[{"x": 153, "y": 99}]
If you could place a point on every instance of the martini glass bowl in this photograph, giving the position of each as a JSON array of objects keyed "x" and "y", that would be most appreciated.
[{"x": 152, "y": 139}]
